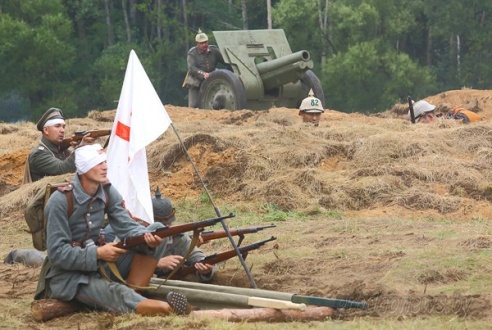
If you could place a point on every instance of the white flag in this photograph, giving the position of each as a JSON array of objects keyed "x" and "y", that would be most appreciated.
[{"x": 140, "y": 119}]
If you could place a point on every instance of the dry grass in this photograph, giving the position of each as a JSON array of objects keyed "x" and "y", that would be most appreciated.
[{"x": 367, "y": 208}]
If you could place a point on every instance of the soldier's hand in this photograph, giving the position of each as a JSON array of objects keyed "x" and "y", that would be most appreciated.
[
  {"x": 203, "y": 268},
  {"x": 109, "y": 252},
  {"x": 169, "y": 262},
  {"x": 205, "y": 75},
  {"x": 152, "y": 240},
  {"x": 87, "y": 139}
]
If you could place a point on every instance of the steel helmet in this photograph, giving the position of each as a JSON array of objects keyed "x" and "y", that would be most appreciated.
[
  {"x": 421, "y": 107},
  {"x": 311, "y": 104},
  {"x": 163, "y": 209},
  {"x": 201, "y": 37}
]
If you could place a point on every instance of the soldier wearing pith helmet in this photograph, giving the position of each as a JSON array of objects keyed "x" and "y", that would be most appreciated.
[
  {"x": 311, "y": 109},
  {"x": 202, "y": 59},
  {"x": 424, "y": 112}
]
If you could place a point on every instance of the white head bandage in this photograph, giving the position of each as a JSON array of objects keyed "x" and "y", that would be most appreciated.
[
  {"x": 53, "y": 122},
  {"x": 88, "y": 156}
]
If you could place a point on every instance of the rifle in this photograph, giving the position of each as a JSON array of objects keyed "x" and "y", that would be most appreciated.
[
  {"x": 412, "y": 113},
  {"x": 207, "y": 236},
  {"x": 219, "y": 257},
  {"x": 132, "y": 241},
  {"x": 78, "y": 135}
]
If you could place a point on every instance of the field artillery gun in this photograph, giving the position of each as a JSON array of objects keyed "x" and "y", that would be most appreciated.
[{"x": 264, "y": 73}]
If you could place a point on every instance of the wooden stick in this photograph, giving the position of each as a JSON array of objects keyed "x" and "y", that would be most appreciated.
[
  {"x": 47, "y": 309},
  {"x": 275, "y": 303},
  {"x": 266, "y": 314}
]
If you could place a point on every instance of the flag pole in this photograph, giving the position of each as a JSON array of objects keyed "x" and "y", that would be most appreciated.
[{"x": 217, "y": 212}]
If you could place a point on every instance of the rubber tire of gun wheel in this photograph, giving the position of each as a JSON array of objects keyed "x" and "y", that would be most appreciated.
[
  {"x": 310, "y": 81},
  {"x": 225, "y": 84}
]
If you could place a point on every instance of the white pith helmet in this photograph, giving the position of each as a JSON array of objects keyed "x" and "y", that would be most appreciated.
[
  {"x": 201, "y": 37},
  {"x": 421, "y": 107},
  {"x": 311, "y": 104}
]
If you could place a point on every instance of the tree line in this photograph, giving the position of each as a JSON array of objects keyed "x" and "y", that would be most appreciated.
[{"x": 368, "y": 54}]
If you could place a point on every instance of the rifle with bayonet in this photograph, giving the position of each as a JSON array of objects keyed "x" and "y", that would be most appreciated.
[
  {"x": 209, "y": 235},
  {"x": 219, "y": 257},
  {"x": 79, "y": 135},
  {"x": 133, "y": 241}
]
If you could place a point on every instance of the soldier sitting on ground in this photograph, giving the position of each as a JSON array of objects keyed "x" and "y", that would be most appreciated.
[
  {"x": 177, "y": 246},
  {"x": 311, "y": 109},
  {"x": 72, "y": 269}
]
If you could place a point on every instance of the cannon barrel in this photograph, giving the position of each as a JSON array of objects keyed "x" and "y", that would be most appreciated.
[
  {"x": 264, "y": 67},
  {"x": 284, "y": 70}
]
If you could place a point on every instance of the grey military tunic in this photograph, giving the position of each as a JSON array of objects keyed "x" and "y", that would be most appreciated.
[
  {"x": 200, "y": 63},
  {"x": 72, "y": 272},
  {"x": 48, "y": 159},
  {"x": 179, "y": 245}
]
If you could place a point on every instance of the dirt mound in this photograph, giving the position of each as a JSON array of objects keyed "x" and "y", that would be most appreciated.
[{"x": 331, "y": 191}]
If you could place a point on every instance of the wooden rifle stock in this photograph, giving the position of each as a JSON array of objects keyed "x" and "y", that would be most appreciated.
[
  {"x": 133, "y": 241},
  {"x": 79, "y": 135},
  {"x": 219, "y": 257},
  {"x": 207, "y": 236}
]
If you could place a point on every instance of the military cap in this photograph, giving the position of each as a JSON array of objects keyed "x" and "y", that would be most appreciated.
[{"x": 51, "y": 113}]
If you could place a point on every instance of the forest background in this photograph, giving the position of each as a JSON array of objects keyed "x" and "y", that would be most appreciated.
[{"x": 368, "y": 54}]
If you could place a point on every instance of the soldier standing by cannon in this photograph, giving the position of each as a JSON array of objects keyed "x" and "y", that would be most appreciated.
[{"x": 202, "y": 59}]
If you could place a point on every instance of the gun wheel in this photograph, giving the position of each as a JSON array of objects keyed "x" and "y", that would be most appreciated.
[
  {"x": 222, "y": 90},
  {"x": 310, "y": 81}
]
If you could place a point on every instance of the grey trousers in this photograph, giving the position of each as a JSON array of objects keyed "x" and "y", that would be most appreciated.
[
  {"x": 193, "y": 101},
  {"x": 99, "y": 293}
]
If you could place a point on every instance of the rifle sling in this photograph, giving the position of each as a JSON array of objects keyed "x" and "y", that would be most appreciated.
[
  {"x": 194, "y": 241},
  {"x": 116, "y": 272}
]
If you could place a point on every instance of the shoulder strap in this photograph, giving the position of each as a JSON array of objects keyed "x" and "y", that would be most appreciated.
[
  {"x": 106, "y": 192},
  {"x": 27, "y": 172},
  {"x": 69, "y": 196},
  {"x": 44, "y": 145}
]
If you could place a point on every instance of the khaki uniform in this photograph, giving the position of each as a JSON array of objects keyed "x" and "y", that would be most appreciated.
[
  {"x": 47, "y": 159},
  {"x": 199, "y": 64}
]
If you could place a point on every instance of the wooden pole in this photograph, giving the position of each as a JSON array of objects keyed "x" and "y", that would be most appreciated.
[
  {"x": 46, "y": 309},
  {"x": 266, "y": 314},
  {"x": 298, "y": 299}
]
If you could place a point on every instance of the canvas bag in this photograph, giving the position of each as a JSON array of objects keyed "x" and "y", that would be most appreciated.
[{"x": 34, "y": 212}]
